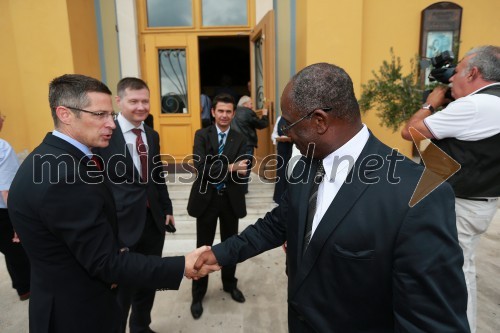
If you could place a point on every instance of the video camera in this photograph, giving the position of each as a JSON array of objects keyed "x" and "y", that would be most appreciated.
[{"x": 442, "y": 70}]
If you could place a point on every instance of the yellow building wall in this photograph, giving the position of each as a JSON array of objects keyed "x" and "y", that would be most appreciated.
[
  {"x": 39, "y": 44},
  {"x": 357, "y": 35}
]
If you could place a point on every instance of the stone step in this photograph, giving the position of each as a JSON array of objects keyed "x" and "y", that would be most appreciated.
[{"x": 258, "y": 201}]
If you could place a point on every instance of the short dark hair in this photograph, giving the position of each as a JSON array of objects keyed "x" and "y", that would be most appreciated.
[
  {"x": 324, "y": 85},
  {"x": 132, "y": 83},
  {"x": 71, "y": 90},
  {"x": 223, "y": 98}
]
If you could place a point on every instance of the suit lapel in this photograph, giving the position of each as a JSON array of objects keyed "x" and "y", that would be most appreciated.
[
  {"x": 305, "y": 190},
  {"x": 150, "y": 144},
  {"x": 119, "y": 146},
  {"x": 82, "y": 159},
  {"x": 344, "y": 201},
  {"x": 214, "y": 139}
]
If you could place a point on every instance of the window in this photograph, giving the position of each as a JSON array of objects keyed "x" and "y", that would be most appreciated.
[
  {"x": 173, "y": 80},
  {"x": 169, "y": 13},
  {"x": 224, "y": 12}
]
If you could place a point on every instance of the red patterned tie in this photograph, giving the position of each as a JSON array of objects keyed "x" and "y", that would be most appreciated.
[
  {"x": 142, "y": 150},
  {"x": 97, "y": 162}
]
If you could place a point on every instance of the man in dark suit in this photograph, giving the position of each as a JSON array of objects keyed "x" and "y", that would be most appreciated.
[
  {"x": 66, "y": 218},
  {"x": 218, "y": 192},
  {"x": 360, "y": 259},
  {"x": 143, "y": 205}
]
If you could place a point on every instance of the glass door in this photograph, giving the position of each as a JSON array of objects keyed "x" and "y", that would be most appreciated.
[{"x": 171, "y": 70}]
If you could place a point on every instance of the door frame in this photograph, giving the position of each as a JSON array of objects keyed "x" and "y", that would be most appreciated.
[{"x": 265, "y": 30}]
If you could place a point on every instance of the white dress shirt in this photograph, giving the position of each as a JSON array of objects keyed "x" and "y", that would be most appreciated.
[
  {"x": 337, "y": 166},
  {"x": 130, "y": 139}
]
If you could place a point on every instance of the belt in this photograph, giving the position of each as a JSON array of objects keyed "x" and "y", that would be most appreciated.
[
  {"x": 221, "y": 191},
  {"x": 478, "y": 199}
]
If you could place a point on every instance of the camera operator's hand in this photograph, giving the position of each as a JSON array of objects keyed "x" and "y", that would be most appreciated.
[{"x": 437, "y": 97}]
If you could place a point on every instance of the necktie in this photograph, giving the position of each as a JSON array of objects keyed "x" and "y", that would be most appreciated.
[
  {"x": 221, "y": 149},
  {"x": 221, "y": 142},
  {"x": 97, "y": 162},
  {"x": 311, "y": 208},
  {"x": 142, "y": 150}
]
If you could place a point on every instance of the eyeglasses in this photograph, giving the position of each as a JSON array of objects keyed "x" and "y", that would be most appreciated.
[
  {"x": 286, "y": 128},
  {"x": 99, "y": 114}
]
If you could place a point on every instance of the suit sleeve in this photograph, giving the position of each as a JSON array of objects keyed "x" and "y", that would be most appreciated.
[
  {"x": 82, "y": 224},
  {"x": 267, "y": 233},
  {"x": 259, "y": 123},
  {"x": 429, "y": 289}
]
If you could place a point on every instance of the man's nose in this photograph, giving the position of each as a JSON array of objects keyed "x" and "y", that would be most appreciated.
[{"x": 110, "y": 122}]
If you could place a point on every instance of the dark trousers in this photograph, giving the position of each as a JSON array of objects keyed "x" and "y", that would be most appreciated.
[
  {"x": 16, "y": 260},
  {"x": 206, "y": 225},
  {"x": 141, "y": 299}
]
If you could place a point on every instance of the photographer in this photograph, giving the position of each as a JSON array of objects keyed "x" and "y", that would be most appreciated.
[{"x": 468, "y": 130}]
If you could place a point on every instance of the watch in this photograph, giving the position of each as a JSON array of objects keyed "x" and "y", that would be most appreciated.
[{"x": 429, "y": 107}]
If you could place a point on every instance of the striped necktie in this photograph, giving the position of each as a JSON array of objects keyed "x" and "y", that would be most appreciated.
[
  {"x": 221, "y": 142},
  {"x": 313, "y": 201},
  {"x": 221, "y": 185}
]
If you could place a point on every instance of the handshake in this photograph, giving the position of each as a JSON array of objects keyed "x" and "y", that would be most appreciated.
[{"x": 200, "y": 263}]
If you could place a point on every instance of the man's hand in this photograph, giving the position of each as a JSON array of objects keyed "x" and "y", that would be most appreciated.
[
  {"x": 195, "y": 273},
  {"x": 437, "y": 97},
  {"x": 206, "y": 258},
  {"x": 170, "y": 220},
  {"x": 284, "y": 138},
  {"x": 240, "y": 167},
  {"x": 264, "y": 112}
]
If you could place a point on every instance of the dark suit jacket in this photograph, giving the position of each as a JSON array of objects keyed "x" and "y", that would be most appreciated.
[
  {"x": 66, "y": 218},
  {"x": 212, "y": 169},
  {"x": 130, "y": 193},
  {"x": 374, "y": 264}
]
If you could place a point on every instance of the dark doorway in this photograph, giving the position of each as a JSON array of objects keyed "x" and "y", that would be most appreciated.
[{"x": 224, "y": 65}]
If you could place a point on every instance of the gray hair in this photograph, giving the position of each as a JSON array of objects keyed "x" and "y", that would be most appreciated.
[
  {"x": 324, "y": 85},
  {"x": 487, "y": 61},
  {"x": 244, "y": 99}
]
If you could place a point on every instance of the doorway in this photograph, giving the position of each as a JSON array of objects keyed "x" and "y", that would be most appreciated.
[{"x": 224, "y": 65}]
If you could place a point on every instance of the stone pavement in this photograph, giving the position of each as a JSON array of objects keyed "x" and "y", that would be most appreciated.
[{"x": 263, "y": 281}]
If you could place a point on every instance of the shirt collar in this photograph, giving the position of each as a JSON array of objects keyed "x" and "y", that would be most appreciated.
[
  {"x": 73, "y": 142},
  {"x": 219, "y": 130},
  {"x": 482, "y": 88},
  {"x": 126, "y": 125},
  {"x": 349, "y": 152}
]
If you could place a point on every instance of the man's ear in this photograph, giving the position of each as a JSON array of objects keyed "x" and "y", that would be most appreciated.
[
  {"x": 64, "y": 114},
  {"x": 320, "y": 119},
  {"x": 473, "y": 74}
]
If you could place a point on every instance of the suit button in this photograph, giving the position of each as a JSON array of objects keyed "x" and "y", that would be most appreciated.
[{"x": 300, "y": 318}]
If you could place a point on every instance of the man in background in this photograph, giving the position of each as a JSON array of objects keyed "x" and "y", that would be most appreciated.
[
  {"x": 218, "y": 192},
  {"x": 144, "y": 208},
  {"x": 247, "y": 123},
  {"x": 468, "y": 130},
  {"x": 16, "y": 260}
]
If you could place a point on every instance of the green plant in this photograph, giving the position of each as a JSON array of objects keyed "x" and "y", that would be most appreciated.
[{"x": 394, "y": 95}]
